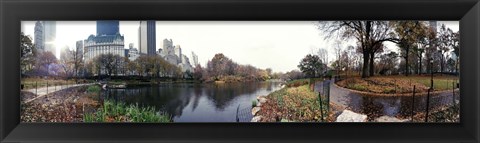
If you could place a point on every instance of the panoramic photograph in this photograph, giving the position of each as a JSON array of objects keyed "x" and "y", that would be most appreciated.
[{"x": 239, "y": 71}]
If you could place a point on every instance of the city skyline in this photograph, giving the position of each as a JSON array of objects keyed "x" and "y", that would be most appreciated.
[{"x": 246, "y": 42}]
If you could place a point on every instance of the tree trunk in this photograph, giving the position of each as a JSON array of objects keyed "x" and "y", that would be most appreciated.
[
  {"x": 372, "y": 65},
  {"x": 441, "y": 64},
  {"x": 365, "y": 64},
  {"x": 420, "y": 67},
  {"x": 407, "y": 71},
  {"x": 456, "y": 66}
]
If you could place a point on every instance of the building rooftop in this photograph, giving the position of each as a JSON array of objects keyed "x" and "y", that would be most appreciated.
[{"x": 105, "y": 38}]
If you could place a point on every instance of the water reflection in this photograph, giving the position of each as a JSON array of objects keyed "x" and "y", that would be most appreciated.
[
  {"x": 400, "y": 106},
  {"x": 189, "y": 102}
]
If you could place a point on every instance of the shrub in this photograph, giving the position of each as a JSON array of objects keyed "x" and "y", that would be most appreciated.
[
  {"x": 93, "y": 89},
  {"x": 254, "y": 103},
  {"x": 120, "y": 112}
]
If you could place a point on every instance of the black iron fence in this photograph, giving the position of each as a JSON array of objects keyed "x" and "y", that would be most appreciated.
[
  {"x": 243, "y": 114},
  {"x": 49, "y": 87},
  {"x": 324, "y": 100}
]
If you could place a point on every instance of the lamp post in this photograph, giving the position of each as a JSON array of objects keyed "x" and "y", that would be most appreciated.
[{"x": 429, "y": 90}]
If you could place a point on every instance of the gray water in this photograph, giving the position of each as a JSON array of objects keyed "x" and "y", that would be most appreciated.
[{"x": 191, "y": 102}]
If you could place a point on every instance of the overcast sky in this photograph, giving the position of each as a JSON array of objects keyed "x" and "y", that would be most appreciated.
[{"x": 279, "y": 45}]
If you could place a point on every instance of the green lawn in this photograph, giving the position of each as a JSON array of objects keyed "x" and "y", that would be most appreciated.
[{"x": 439, "y": 82}]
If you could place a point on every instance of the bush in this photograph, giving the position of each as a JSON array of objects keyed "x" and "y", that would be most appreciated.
[
  {"x": 120, "y": 112},
  {"x": 297, "y": 83},
  {"x": 254, "y": 103},
  {"x": 93, "y": 89},
  {"x": 357, "y": 87}
]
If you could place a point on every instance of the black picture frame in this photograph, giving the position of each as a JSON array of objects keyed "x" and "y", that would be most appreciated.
[{"x": 14, "y": 11}]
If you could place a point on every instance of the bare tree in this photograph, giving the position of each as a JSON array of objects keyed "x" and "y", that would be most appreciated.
[{"x": 367, "y": 33}]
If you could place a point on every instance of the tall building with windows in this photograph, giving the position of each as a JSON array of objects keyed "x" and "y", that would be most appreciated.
[
  {"x": 195, "y": 59},
  {"x": 39, "y": 36},
  {"x": 104, "y": 42},
  {"x": 147, "y": 37},
  {"x": 50, "y": 32},
  {"x": 173, "y": 55},
  {"x": 178, "y": 52},
  {"x": 79, "y": 49},
  {"x": 45, "y": 35},
  {"x": 132, "y": 52},
  {"x": 108, "y": 27}
]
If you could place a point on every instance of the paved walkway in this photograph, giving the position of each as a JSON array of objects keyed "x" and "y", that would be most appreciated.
[{"x": 40, "y": 92}]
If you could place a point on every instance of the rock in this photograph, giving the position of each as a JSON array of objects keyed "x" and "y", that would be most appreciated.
[
  {"x": 350, "y": 116},
  {"x": 262, "y": 100},
  {"x": 255, "y": 110},
  {"x": 256, "y": 119},
  {"x": 260, "y": 96},
  {"x": 390, "y": 119},
  {"x": 259, "y": 104},
  {"x": 285, "y": 120}
]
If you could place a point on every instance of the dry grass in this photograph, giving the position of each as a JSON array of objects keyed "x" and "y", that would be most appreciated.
[
  {"x": 297, "y": 104},
  {"x": 398, "y": 84}
]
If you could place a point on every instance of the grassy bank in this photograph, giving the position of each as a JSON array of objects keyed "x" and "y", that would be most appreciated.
[
  {"x": 297, "y": 104},
  {"x": 399, "y": 84},
  {"x": 299, "y": 82},
  {"x": 120, "y": 112}
]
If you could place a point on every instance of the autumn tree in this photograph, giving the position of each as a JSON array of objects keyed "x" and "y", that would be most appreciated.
[
  {"x": 409, "y": 34},
  {"x": 67, "y": 62},
  {"x": 445, "y": 44},
  {"x": 27, "y": 53},
  {"x": 44, "y": 62},
  {"x": 109, "y": 64},
  {"x": 387, "y": 63},
  {"x": 367, "y": 33},
  {"x": 220, "y": 66},
  {"x": 310, "y": 65},
  {"x": 198, "y": 72},
  {"x": 456, "y": 49}
]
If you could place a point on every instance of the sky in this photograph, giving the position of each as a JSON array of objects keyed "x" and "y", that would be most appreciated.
[{"x": 279, "y": 45}]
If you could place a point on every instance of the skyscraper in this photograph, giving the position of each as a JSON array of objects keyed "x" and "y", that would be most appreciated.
[
  {"x": 107, "y": 27},
  {"x": 39, "y": 36},
  {"x": 178, "y": 52},
  {"x": 50, "y": 35},
  {"x": 195, "y": 59},
  {"x": 147, "y": 37},
  {"x": 79, "y": 50}
]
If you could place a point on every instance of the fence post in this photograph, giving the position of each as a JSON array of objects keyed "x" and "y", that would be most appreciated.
[
  {"x": 428, "y": 104},
  {"x": 47, "y": 87},
  {"x": 236, "y": 118},
  {"x": 413, "y": 102},
  {"x": 328, "y": 98},
  {"x": 36, "y": 88},
  {"x": 453, "y": 94},
  {"x": 321, "y": 107}
]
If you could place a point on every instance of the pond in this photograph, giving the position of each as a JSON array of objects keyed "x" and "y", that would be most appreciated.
[{"x": 193, "y": 102}]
